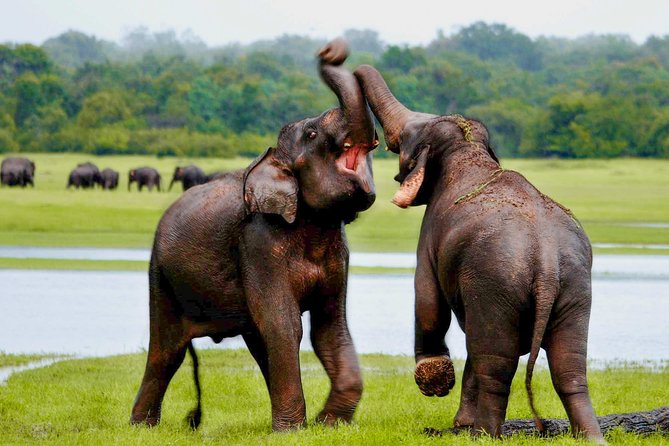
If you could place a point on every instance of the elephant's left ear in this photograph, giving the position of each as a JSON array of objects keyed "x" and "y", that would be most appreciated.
[{"x": 269, "y": 187}]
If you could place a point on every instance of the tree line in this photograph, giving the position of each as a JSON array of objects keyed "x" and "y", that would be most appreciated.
[{"x": 171, "y": 95}]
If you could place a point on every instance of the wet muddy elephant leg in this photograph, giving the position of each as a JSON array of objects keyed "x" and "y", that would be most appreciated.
[
  {"x": 277, "y": 315},
  {"x": 566, "y": 348},
  {"x": 494, "y": 350},
  {"x": 466, "y": 414},
  {"x": 434, "y": 372},
  {"x": 332, "y": 343},
  {"x": 167, "y": 348}
]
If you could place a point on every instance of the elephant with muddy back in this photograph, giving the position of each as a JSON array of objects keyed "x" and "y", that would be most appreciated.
[
  {"x": 144, "y": 176},
  {"x": 513, "y": 265},
  {"x": 189, "y": 176},
  {"x": 17, "y": 171},
  {"x": 248, "y": 253}
]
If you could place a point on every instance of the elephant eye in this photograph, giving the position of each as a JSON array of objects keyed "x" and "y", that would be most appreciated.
[{"x": 311, "y": 134}]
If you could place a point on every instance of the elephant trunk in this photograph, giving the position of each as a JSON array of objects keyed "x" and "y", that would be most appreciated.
[{"x": 351, "y": 99}]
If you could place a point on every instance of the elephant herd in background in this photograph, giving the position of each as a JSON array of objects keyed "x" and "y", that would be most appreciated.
[{"x": 19, "y": 171}]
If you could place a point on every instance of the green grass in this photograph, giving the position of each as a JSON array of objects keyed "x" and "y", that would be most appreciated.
[
  {"x": 604, "y": 194},
  {"x": 11, "y": 360},
  {"x": 88, "y": 402}
]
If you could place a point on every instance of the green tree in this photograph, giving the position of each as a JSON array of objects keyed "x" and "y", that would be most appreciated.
[{"x": 103, "y": 108}]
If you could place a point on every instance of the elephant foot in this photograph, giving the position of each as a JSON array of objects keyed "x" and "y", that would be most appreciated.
[
  {"x": 148, "y": 421},
  {"x": 330, "y": 419},
  {"x": 435, "y": 375}
]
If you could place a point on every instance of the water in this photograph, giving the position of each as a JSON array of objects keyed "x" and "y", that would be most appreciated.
[{"x": 92, "y": 313}]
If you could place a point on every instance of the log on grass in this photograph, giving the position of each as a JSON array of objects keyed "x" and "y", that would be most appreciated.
[{"x": 649, "y": 422}]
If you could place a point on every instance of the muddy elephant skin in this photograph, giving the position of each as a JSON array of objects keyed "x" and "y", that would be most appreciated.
[
  {"x": 144, "y": 176},
  {"x": 513, "y": 266},
  {"x": 17, "y": 171},
  {"x": 248, "y": 253}
]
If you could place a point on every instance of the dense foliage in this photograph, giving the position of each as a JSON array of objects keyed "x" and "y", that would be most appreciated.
[{"x": 164, "y": 94}]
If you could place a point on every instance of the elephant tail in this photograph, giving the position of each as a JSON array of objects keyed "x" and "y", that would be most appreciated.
[
  {"x": 545, "y": 294},
  {"x": 195, "y": 416}
]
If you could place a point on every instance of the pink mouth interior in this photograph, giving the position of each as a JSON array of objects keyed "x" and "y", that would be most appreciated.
[{"x": 351, "y": 157}]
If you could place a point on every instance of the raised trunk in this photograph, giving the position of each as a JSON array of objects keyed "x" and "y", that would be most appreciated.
[{"x": 351, "y": 100}]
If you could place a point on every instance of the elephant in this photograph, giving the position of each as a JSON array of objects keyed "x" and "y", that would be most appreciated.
[
  {"x": 189, "y": 176},
  {"x": 17, "y": 171},
  {"x": 85, "y": 175},
  {"x": 109, "y": 179},
  {"x": 145, "y": 176},
  {"x": 248, "y": 253},
  {"x": 513, "y": 266}
]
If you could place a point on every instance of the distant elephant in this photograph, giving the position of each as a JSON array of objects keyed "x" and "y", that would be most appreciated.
[
  {"x": 109, "y": 179},
  {"x": 513, "y": 265},
  {"x": 17, "y": 171},
  {"x": 248, "y": 253},
  {"x": 145, "y": 176},
  {"x": 85, "y": 175},
  {"x": 189, "y": 176}
]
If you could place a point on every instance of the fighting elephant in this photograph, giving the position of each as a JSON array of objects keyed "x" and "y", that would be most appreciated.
[
  {"x": 109, "y": 179},
  {"x": 513, "y": 265},
  {"x": 248, "y": 253},
  {"x": 85, "y": 175},
  {"x": 145, "y": 176},
  {"x": 17, "y": 171},
  {"x": 189, "y": 176}
]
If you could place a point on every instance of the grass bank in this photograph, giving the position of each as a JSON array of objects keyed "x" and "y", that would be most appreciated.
[
  {"x": 88, "y": 402},
  {"x": 614, "y": 199}
]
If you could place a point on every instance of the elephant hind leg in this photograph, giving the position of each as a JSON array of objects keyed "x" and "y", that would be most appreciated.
[
  {"x": 566, "y": 351},
  {"x": 167, "y": 348}
]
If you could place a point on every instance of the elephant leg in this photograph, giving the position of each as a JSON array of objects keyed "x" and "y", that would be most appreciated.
[
  {"x": 333, "y": 345},
  {"x": 494, "y": 348},
  {"x": 434, "y": 372},
  {"x": 468, "y": 398},
  {"x": 566, "y": 348},
  {"x": 167, "y": 347},
  {"x": 277, "y": 317},
  {"x": 257, "y": 348}
]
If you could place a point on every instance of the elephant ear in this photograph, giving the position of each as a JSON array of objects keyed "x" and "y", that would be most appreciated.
[{"x": 269, "y": 187}]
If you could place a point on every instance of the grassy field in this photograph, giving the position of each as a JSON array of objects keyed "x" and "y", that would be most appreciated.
[
  {"x": 611, "y": 198},
  {"x": 88, "y": 402}
]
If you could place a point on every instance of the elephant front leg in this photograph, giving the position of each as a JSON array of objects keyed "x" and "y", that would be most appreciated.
[
  {"x": 434, "y": 373},
  {"x": 277, "y": 318},
  {"x": 332, "y": 343}
]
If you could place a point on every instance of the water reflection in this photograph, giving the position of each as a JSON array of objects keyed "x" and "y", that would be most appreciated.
[{"x": 103, "y": 313}]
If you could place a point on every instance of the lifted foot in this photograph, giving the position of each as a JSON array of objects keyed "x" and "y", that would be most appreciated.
[{"x": 435, "y": 376}]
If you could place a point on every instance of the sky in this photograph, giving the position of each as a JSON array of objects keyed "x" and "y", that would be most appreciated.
[{"x": 220, "y": 22}]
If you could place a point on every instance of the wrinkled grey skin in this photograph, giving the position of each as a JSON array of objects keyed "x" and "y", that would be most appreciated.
[
  {"x": 144, "y": 176},
  {"x": 513, "y": 265},
  {"x": 189, "y": 176},
  {"x": 248, "y": 253},
  {"x": 17, "y": 171},
  {"x": 85, "y": 175},
  {"x": 109, "y": 179}
]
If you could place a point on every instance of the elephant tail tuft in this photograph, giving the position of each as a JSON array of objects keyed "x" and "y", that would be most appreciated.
[
  {"x": 545, "y": 294},
  {"x": 194, "y": 417}
]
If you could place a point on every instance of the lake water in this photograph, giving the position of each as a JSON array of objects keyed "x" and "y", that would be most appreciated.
[{"x": 90, "y": 313}]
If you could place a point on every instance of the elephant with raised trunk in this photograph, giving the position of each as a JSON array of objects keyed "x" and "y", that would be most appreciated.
[
  {"x": 144, "y": 176},
  {"x": 189, "y": 176},
  {"x": 513, "y": 265},
  {"x": 17, "y": 171},
  {"x": 248, "y": 253}
]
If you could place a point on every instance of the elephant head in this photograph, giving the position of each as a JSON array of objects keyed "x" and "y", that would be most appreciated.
[
  {"x": 132, "y": 176},
  {"x": 322, "y": 164},
  {"x": 178, "y": 176},
  {"x": 417, "y": 137}
]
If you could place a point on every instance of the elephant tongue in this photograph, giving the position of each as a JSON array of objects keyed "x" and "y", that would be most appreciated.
[{"x": 351, "y": 157}]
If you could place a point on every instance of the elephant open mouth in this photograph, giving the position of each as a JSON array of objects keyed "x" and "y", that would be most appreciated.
[{"x": 353, "y": 163}]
